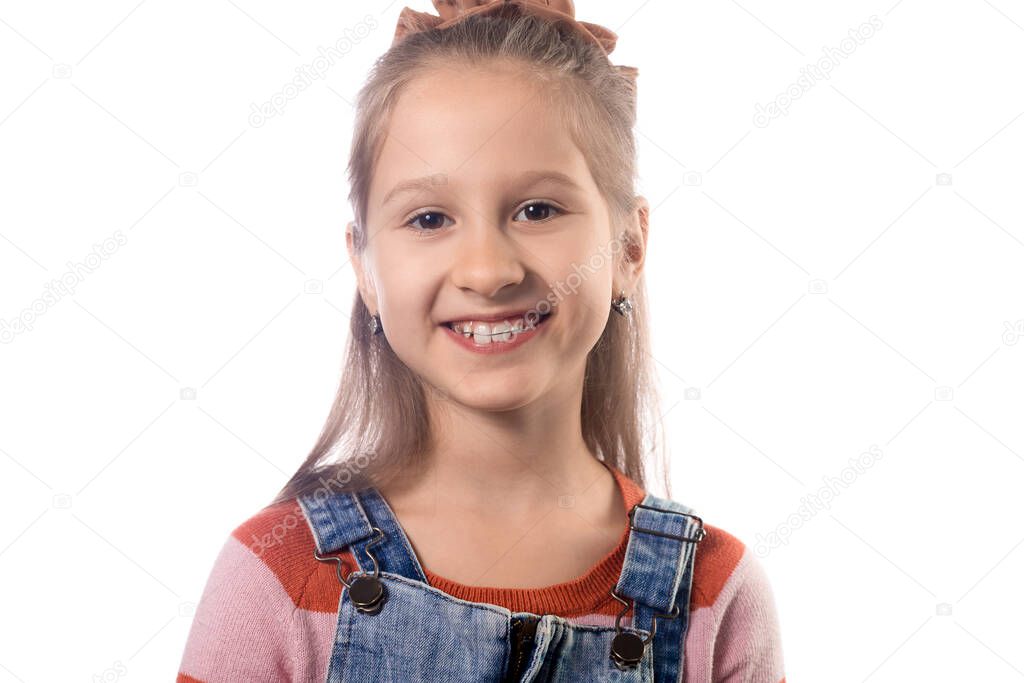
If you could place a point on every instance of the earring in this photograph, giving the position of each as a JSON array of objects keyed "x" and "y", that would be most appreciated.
[
  {"x": 374, "y": 324},
  {"x": 622, "y": 305}
]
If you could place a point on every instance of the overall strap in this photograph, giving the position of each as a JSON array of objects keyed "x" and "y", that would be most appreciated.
[
  {"x": 351, "y": 519},
  {"x": 657, "y": 574}
]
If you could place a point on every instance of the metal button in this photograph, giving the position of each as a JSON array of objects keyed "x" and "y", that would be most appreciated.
[
  {"x": 627, "y": 650},
  {"x": 367, "y": 594}
]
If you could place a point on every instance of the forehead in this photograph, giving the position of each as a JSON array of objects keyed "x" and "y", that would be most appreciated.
[{"x": 481, "y": 128}]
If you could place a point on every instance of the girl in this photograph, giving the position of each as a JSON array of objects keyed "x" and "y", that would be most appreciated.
[{"x": 475, "y": 508}]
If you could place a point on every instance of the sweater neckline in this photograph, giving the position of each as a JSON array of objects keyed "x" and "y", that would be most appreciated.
[{"x": 578, "y": 596}]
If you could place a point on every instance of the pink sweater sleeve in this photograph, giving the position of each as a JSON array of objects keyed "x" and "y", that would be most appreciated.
[
  {"x": 748, "y": 645},
  {"x": 242, "y": 627}
]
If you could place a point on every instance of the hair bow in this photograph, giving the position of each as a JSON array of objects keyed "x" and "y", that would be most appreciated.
[{"x": 453, "y": 11}]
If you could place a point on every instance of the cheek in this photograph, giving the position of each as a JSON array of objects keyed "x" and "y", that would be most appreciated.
[
  {"x": 585, "y": 274},
  {"x": 405, "y": 305},
  {"x": 400, "y": 270},
  {"x": 404, "y": 296},
  {"x": 598, "y": 307},
  {"x": 585, "y": 301}
]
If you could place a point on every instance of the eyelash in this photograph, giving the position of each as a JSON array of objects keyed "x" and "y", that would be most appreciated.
[{"x": 410, "y": 222}]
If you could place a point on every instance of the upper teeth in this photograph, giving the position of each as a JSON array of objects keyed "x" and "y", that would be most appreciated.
[{"x": 500, "y": 331}]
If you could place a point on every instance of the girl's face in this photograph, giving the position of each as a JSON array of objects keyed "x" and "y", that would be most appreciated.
[{"x": 481, "y": 204}]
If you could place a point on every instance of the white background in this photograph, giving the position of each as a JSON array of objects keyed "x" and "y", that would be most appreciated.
[{"x": 847, "y": 277}]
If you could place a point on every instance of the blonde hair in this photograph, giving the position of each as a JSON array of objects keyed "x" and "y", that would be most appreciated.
[{"x": 378, "y": 425}]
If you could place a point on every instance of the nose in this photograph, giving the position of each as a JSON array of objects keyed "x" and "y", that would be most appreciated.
[{"x": 486, "y": 259}]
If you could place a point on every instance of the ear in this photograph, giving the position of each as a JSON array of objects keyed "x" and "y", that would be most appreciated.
[
  {"x": 634, "y": 246},
  {"x": 364, "y": 282}
]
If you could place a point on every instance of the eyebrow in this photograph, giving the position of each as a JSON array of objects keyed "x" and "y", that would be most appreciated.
[{"x": 528, "y": 179}]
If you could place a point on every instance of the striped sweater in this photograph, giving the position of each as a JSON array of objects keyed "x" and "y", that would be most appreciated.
[{"x": 269, "y": 608}]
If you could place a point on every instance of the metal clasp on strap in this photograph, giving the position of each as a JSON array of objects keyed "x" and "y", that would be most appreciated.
[
  {"x": 365, "y": 590},
  {"x": 701, "y": 531},
  {"x": 628, "y": 648}
]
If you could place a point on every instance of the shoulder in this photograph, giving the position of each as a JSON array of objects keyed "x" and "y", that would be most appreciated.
[
  {"x": 734, "y": 610},
  {"x": 719, "y": 566},
  {"x": 243, "y": 624},
  {"x": 726, "y": 569},
  {"x": 279, "y": 537},
  {"x": 265, "y": 594}
]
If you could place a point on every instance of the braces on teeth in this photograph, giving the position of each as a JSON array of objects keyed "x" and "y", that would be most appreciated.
[{"x": 502, "y": 331}]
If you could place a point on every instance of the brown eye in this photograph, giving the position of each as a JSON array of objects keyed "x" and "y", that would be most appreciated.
[
  {"x": 432, "y": 221},
  {"x": 540, "y": 214}
]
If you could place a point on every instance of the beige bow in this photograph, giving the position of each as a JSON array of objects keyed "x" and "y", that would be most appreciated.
[{"x": 454, "y": 11}]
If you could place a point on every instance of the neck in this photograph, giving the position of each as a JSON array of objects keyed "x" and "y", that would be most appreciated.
[{"x": 502, "y": 467}]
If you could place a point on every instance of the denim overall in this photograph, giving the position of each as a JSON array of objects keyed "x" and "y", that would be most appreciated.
[{"x": 393, "y": 627}]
